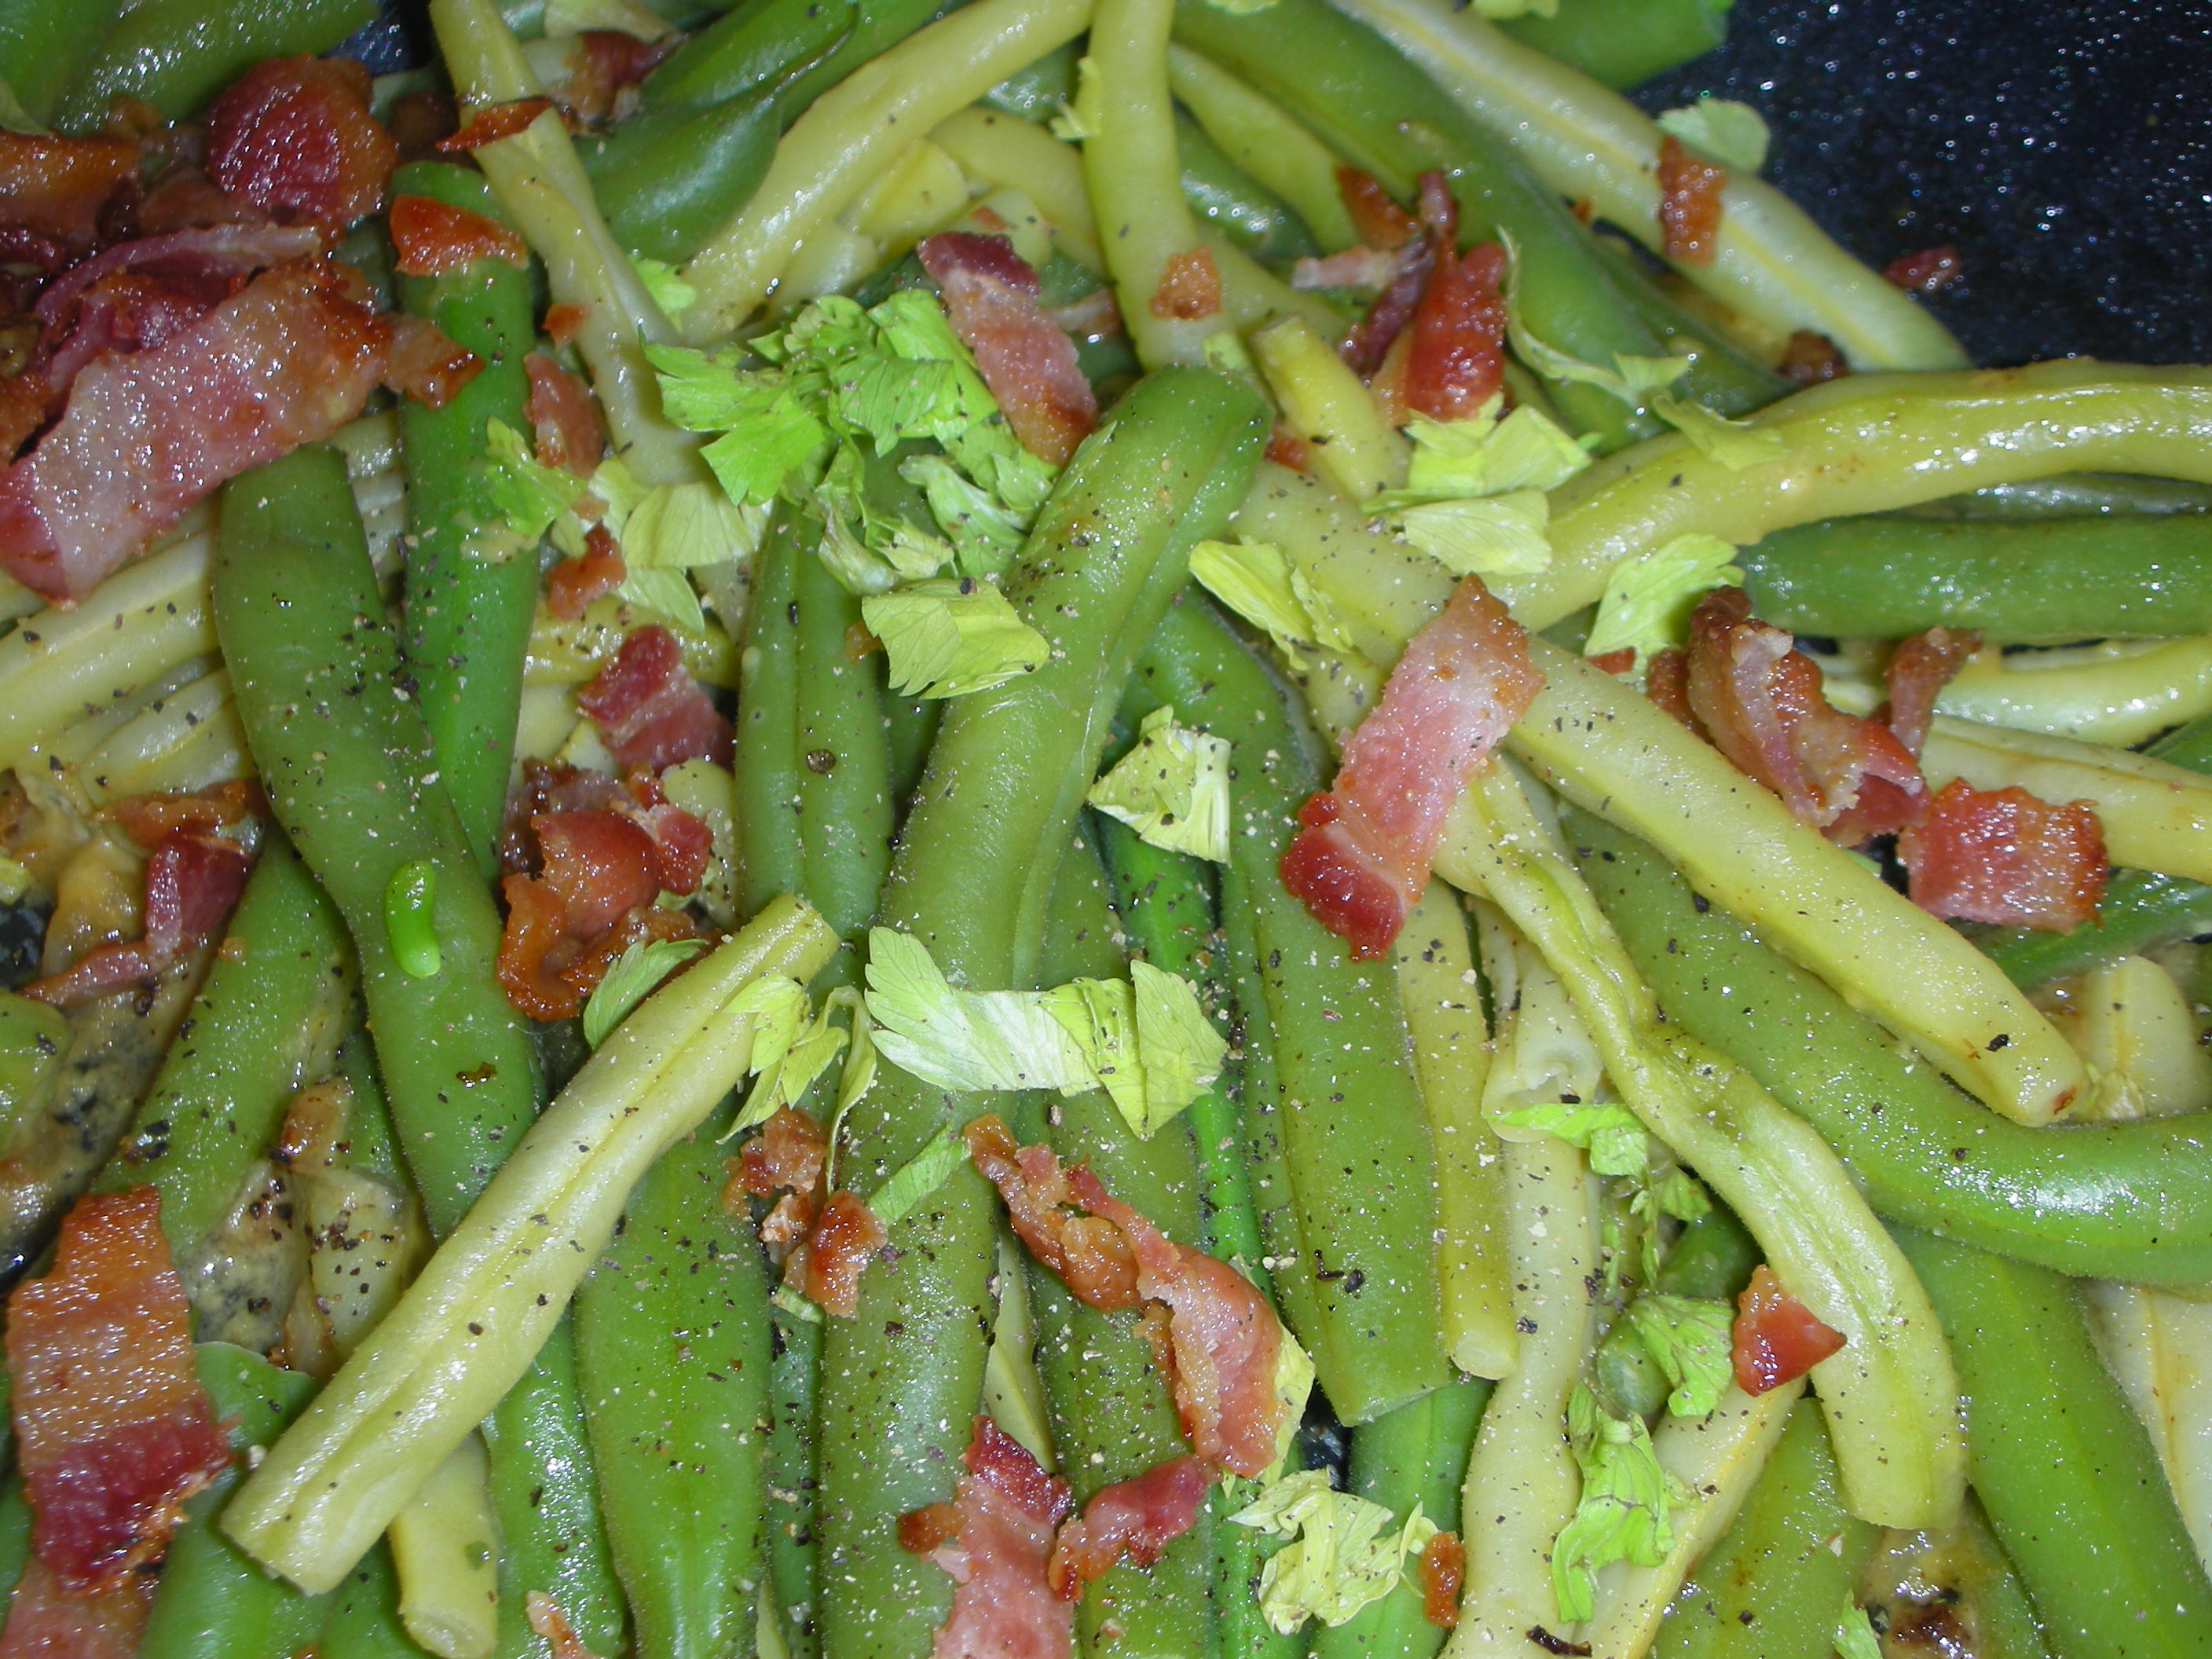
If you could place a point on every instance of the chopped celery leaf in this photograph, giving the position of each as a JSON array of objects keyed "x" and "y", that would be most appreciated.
[
  {"x": 1735, "y": 444},
  {"x": 1612, "y": 1135},
  {"x": 1648, "y": 598},
  {"x": 919, "y": 1176},
  {"x": 1720, "y": 129},
  {"x": 1340, "y": 1558},
  {"x": 1259, "y": 584},
  {"x": 1172, "y": 788},
  {"x": 946, "y": 637},
  {"x": 669, "y": 292},
  {"x": 1624, "y": 1514},
  {"x": 637, "y": 971},
  {"x": 1690, "y": 1338}
]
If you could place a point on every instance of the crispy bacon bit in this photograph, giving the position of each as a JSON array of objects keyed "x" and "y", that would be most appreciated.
[
  {"x": 24, "y": 399},
  {"x": 565, "y": 321},
  {"x": 564, "y": 422},
  {"x": 1369, "y": 339},
  {"x": 151, "y": 819},
  {"x": 192, "y": 881},
  {"x": 1929, "y": 271},
  {"x": 1136, "y": 1519},
  {"x": 572, "y": 584},
  {"x": 649, "y": 710},
  {"x": 1776, "y": 1340},
  {"x": 295, "y": 137},
  {"x": 1223, "y": 1335},
  {"x": 1614, "y": 662},
  {"x": 1362, "y": 856},
  {"x": 1190, "y": 287},
  {"x": 286, "y": 361},
  {"x": 1225, "y": 1338},
  {"x": 2001, "y": 855},
  {"x": 1689, "y": 203},
  {"x": 1917, "y": 669},
  {"x": 1667, "y": 682},
  {"x": 788, "y": 1157},
  {"x": 1380, "y": 223},
  {"x": 490, "y": 124},
  {"x": 1025, "y": 358},
  {"x": 843, "y": 1241},
  {"x": 1758, "y": 700},
  {"x": 1286, "y": 449},
  {"x": 56, "y": 187},
  {"x": 543, "y": 1615},
  {"x": 426, "y": 363},
  {"x": 113, "y": 1431},
  {"x": 993, "y": 1539},
  {"x": 533, "y": 947},
  {"x": 430, "y": 237},
  {"x": 1443, "y": 1565},
  {"x": 186, "y": 198},
  {"x": 1809, "y": 358},
  {"x": 605, "y": 66},
  {"x": 1457, "y": 359},
  {"x": 49, "y": 1619},
  {"x": 1354, "y": 267},
  {"x": 1096, "y": 316}
]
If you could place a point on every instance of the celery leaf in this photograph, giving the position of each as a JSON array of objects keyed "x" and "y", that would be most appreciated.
[
  {"x": 1624, "y": 1514},
  {"x": 1172, "y": 788},
  {"x": 633, "y": 977},
  {"x": 947, "y": 638},
  {"x": 1691, "y": 1339},
  {"x": 1648, "y": 598},
  {"x": 1720, "y": 129},
  {"x": 1735, "y": 444}
]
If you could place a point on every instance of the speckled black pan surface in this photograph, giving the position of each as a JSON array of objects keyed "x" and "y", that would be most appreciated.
[{"x": 2065, "y": 148}]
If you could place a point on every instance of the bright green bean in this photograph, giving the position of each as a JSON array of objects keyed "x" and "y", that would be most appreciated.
[
  {"x": 845, "y": 800},
  {"x": 2141, "y": 910},
  {"x": 2128, "y": 1201},
  {"x": 795, "y": 1382},
  {"x": 364, "y": 1621},
  {"x": 971, "y": 878},
  {"x": 1621, "y": 42},
  {"x": 1235, "y": 203},
  {"x": 2062, "y": 1466},
  {"x": 471, "y": 587},
  {"x": 45, "y": 43},
  {"x": 2071, "y": 495},
  {"x": 672, "y": 1354},
  {"x": 1328, "y": 1071},
  {"x": 771, "y": 852},
  {"x": 178, "y": 54}
]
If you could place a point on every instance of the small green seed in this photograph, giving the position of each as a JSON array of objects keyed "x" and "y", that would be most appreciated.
[{"x": 408, "y": 922}]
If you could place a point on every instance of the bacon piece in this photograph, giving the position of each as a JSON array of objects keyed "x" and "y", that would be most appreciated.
[
  {"x": 1353, "y": 267},
  {"x": 543, "y": 1615},
  {"x": 1776, "y": 1339},
  {"x": 24, "y": 400},
  {"x": 572, "y": 584},
  {"x": 565, "y": 320},
  {"x": 1025, "y": 355},
  {"x": 1667, "y": 682},
  {"x": 1380, "y": 223},
  {"x": 843, "y": 1241},
  {"x": 1225, "y": 1338},
  {"x": 1190, "y": 287},
  {"x": 287, "y": 360},
  {"x": 49, "y": 1619},
  {"x": 1286, "y": 449},
  {"x": 293, "y": 136},
  {"x": 494, "y": 123},
  {"x": 1614, "y": 662},
  {"x": 430, "y": 237},
  {"x": 564, "y": 422},
  {"x": 206, "y": 258},
  {"x": 599, "y": 865},
  {"x": 57, "y": 187},
  {"x": 1135, "y": 1519},
  {"x": 1457, "y": 361},
  {"x": 1929, "y": 271},
  {"x": 1758, "y": 700},
  {"x": 426, "y": 363},
  {"x": 1808, "y": 359},
  {"x": 192, "y": 881},
  {"x": 1091, "y": 1257},
  {"x": 1369, "y": 339},
  {"x": 186, "y": 198},
  {"x": 789, "y": 1155},
  {"x": 2001, "y": 855},
  {"x": 1442, "y": 1568},
  {"x": 605, "y": 66},
  {"x": 993, "y": 1539},
  {"x": 1917, "y": 669},
  {"x": 113, "y": 1431},
  {"x": 650, "y": 712},
  {"x": 151, "y": 819},
  {"x": 1362, "y": 857},
  {"x": 1689, "y": 203}
]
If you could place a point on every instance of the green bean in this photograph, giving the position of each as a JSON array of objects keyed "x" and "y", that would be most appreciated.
[
  {"x": 845, "y": 799},
  {"x": 909, "y": 727},
  {"x": 267, "y": 1022},
  {"x": 771, "y": 850},
  {"x": 1236, "y": 204},
  {"x": 971, "y": 879},
  {"x": 672, "y": 1352},
  {"x": 43, "y": 46},
  {"x": 364, "y": 1622},
  {"x": 2189, "y": 746},
  {"x": 470, "y": 586},
  {"x": 1353, "y": 1251},
  {"x": 1110, "y": 1410},
  {"x": 2071, "y": 495},
  {"x": 1038, "y": 91},
  {"x": 552, "y": 1539},
  {"x": 1416, "y": 1454},
  {"x": 794, "y": 1382},
  {"x": 178, "y": 54},
  {"x": 2062, "y": 1466},
  {"x": 15, "y": 1531},
  {"x": 1725, "y": 375},
  {"x": 347, "y": 767},
  {"x": 1775, "y": 1585},
  {"x": 1354, "y": 89},
  {"x": 1710, "y": 1261},
  {"x": 2140, "y": 911},
  {"x": 1268, "y": 144},
  {"x": 2041, "y": 580},
  {"x": 214, "y": 1602},
  {"x": 1621, "y": 42},
  {"x": 2128, "y": 1201}
]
